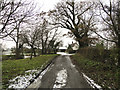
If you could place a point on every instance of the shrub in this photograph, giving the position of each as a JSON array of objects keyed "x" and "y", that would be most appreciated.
[
  {"x": 96, "y": 54},
  {"x": 102, "y": 73}
]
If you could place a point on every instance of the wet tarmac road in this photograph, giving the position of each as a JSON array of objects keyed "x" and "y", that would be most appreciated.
[{"x": 61, "y": 74}]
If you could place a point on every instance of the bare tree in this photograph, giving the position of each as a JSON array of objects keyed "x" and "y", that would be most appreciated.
[
  {"x": 76, "y": 17},
  {"x": 44, "y": 35},
  {"x": 31, "y": 38},
  {"x": 49, "y": 37},
  {"x": 36, "y": 35},
  {"x": 110, "y": 15},
  {"x": 54, "y": 41},
  {"x": 9, "y": 11},
  {"x": 12, "y": 27},
  {"x": 48, "y": 33},
  {"x": 39, "y": 35}
]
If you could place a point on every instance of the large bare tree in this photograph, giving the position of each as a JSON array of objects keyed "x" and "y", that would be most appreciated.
[{"x": 78, "y": 17}]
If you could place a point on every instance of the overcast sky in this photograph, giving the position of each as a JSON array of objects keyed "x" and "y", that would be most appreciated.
[{"x": 44, "y": 5}]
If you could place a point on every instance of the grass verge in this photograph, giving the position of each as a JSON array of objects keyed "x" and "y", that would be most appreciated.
[
  {"x": 13, "y": 68},
  {"x": 103, "y": 74}
]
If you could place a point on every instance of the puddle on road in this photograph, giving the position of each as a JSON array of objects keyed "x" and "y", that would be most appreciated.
[{"x": 61, "y": 79}]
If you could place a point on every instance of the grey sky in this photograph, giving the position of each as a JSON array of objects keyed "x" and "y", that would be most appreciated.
[{"x": 45, "y": 5}]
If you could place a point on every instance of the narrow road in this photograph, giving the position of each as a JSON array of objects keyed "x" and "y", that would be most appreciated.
[{"x": 62, "y": 74}]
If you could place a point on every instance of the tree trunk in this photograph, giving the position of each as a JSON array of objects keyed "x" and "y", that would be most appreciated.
[
  {"x": 17, "y": 45},
  {"x": 34, "y": 52},
  {"x": 42, "y": 46},
  {"x": 42, "y": 50},
  {"x": 81, "y": 44},
  {"x": 45, "y": 50},
  {"x": 31, "y": 55},
  {"x": 17, "y": 51},
  {"x": 31, "y": 52}
]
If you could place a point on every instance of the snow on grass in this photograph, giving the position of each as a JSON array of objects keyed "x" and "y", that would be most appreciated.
[
  {"x": 23, "y": 81},
  {"x": 42, "y": 73},
  {"x": 31, "y": 71},
  {"x": 91, "y": 82},
  {"x": 61, "y": 79},
  {"x": 37, "y": 81}
]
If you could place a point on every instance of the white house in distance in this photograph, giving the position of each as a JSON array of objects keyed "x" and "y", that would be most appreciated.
[{"x": 74, "y": 46}]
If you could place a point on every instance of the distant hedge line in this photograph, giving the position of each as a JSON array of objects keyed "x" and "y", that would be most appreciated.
[
  {"x": 10, "y": 57},
  {"x": 102, "y": 55}
]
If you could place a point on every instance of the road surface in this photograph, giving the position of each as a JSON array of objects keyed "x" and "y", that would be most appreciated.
[{"x": 61, "y": 74}]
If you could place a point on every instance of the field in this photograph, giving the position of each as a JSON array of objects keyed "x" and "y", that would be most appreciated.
[
  {"x": 103, "y": 74},
  {"x": 13, "y": 68}
]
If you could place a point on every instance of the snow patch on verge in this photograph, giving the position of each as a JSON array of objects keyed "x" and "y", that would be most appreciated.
[
  {"x": 61, "y": 79},
  {"x": 42, "y": 73},
  {"x": 37, "y": 81},
  {"x": 72, "y": 65},
  {"x": 23, "y": 81},
  {"x": 91, "y": 82}
]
